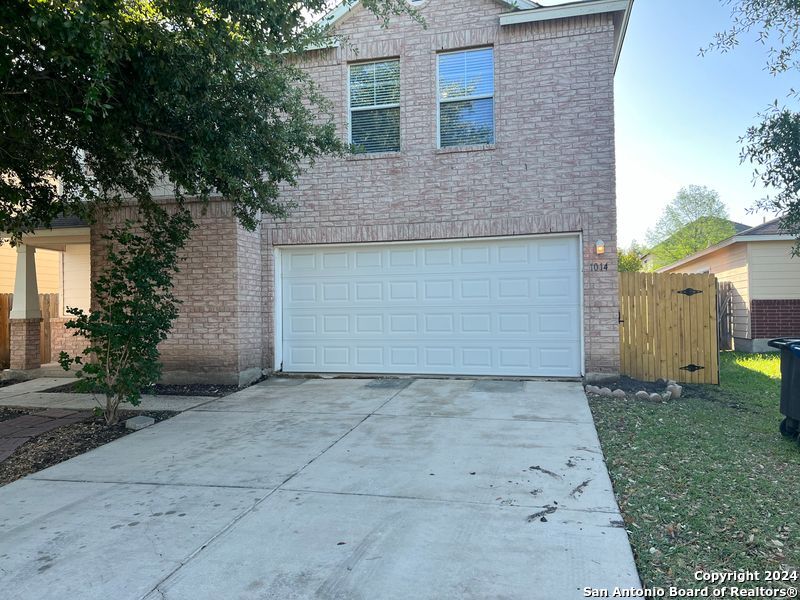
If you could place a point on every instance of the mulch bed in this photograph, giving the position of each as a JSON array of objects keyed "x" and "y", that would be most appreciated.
[
  {"x": 631, "y": 386},
  {"x": 63, "y": 443},
  {"x": 196, "y": 389}
]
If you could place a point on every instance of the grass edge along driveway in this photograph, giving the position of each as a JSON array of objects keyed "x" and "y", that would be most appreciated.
[{"x": 706, "y": 482}]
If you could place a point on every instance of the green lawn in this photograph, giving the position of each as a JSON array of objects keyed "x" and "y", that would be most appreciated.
[{"x": 706, "y": 482}]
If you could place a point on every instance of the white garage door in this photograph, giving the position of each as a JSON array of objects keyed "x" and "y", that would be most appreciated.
[{"x": 494, "y": 307}]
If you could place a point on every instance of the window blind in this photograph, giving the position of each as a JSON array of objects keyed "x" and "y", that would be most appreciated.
[
  {"x": 375, "y": 106},
  {"x": 466, "y": 98}
]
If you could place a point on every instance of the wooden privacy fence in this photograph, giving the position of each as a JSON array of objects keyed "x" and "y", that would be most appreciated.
[
  {"x": 725, "y": 314},
  {"x": 668, "y": 327},
  {"x": 48, "y": 303}
]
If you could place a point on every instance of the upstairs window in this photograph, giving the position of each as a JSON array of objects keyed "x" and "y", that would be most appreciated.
[
  {"x": 375, "y": 106},
  {"x": 466, "y": 98}
]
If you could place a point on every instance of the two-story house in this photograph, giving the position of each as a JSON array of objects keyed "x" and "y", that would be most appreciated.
[{"x": 472, "y": 231}]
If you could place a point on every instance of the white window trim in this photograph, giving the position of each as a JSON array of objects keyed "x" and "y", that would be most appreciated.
[
  {"x": 351, "y": 109},
  {"x": 440, "y": 100}
]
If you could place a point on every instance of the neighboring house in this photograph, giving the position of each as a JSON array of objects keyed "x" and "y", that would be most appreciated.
[
  {"x": 655, "y": 258},
  {"x": 473, "y": 231},
  {"x": 765, "y": 278}
]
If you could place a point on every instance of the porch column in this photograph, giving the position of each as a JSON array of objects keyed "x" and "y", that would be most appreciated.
[{"x": 25, "y": 316}]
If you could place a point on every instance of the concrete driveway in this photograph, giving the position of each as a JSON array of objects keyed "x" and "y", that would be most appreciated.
[{"x": 330, "y": 488}]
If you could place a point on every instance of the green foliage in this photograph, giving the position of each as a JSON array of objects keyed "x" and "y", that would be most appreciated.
[
  {"x": 694, "y": 220},
  {"x": 135, "y": 309},
  {"x": 631, "y": 259},
  {"x": 772, "y": 146},
  {"x": 106, "y": 96}
]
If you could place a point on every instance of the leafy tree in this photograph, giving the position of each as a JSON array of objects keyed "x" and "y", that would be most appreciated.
[
  {"x": 109, "y": 96},
  {"x": 694, "y": 220},
  {"x": 631, "y": 258},
  {"x": 135, "y": 310},
  {"x": 772, "y": 146}
]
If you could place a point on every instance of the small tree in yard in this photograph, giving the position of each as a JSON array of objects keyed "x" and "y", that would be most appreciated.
[
  {"x": 135, "y": 310},
  {"x": 631, "y": 259},
  {"x": 694, "y": 220}
]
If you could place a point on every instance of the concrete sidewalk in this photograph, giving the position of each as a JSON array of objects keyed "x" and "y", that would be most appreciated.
[
  {"x": 330, "y": 489},
  {"x": 32, "y": 394}
]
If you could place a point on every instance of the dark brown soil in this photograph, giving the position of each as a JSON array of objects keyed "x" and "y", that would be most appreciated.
[
  {"x": 196, "y": 389},
  {"x": 631, "y": 386},
  {"x": 65, "y": 442}
]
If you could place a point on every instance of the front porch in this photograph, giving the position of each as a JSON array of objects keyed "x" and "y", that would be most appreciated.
[{"x": 31, "y": 322}]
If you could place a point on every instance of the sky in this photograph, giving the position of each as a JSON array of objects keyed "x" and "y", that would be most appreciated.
[{"x": 679, "y": 115}]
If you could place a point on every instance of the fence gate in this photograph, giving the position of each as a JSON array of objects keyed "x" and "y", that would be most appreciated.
[{"x": 668, "y": 327}]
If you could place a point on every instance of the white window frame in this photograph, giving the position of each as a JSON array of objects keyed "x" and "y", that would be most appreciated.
[
  {"x": 440, "y": 101},
  {"x": 351, "y": 109}
]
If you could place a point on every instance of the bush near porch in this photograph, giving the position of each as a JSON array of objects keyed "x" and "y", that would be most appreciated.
[{"x": 706, "y": 482}]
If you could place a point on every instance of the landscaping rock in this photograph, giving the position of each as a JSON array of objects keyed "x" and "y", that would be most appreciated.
[
  {"x": 675, "y": 391},
  {"x": 642, "y": 395},
  {"x": 605, "y": 392},
  {"x": 140, "y": 422},
  {"x": 593, "y": 389},
  {"x": 666, "y": 396},
  {"x": 656, "y": 397},
  {"x": 618, "y": 394}
]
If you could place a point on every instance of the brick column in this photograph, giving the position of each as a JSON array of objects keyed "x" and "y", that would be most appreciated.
[
  {"x": 25, "y": 314},
  {"x": 25, "y": 344}
]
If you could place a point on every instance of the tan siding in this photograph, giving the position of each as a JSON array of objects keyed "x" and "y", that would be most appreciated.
[
  {"x": 728, "y": 264},
  {"x": 48, "y": 270},
  {"x": 774, "y": 274},
  {"x": 8, "y": 266},
  {"x": 76, "y": 277}
]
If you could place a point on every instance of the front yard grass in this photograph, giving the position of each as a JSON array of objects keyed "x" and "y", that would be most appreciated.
[{"x": 707, "y": 482}]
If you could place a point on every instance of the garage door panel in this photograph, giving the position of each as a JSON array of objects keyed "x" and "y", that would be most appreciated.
[
  {"x": 508, "y": 307},
  {"x": 555, "y": 255},
  {"x": 520, "y": 289},
  {"x": 468, "y": 323},
  {"x": 438, "y": 357}
]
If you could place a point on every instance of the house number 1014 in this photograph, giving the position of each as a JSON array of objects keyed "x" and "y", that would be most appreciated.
[{"x": 599, "y": 266}]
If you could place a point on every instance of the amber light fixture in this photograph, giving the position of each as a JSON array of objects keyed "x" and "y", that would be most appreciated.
[{"x": 600, "y": 247}]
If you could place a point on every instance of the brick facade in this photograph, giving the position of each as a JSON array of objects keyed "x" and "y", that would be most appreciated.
[
  {"x": 775, "y": 318},
  {"x": 550, "y": 170},
  {"x": 219, "y": 285},
  {"x": 26, "y": 344},
  {"x": 63, "y": 339}
]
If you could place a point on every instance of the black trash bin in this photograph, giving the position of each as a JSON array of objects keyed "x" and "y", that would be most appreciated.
[{"x": 790, "y": 384}]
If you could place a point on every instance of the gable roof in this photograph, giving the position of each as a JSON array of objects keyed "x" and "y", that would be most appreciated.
[
  {"x": 772, "y": 227},
  {"x": 338, "y": 12},
  {"x": 766, "y": 232}
]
